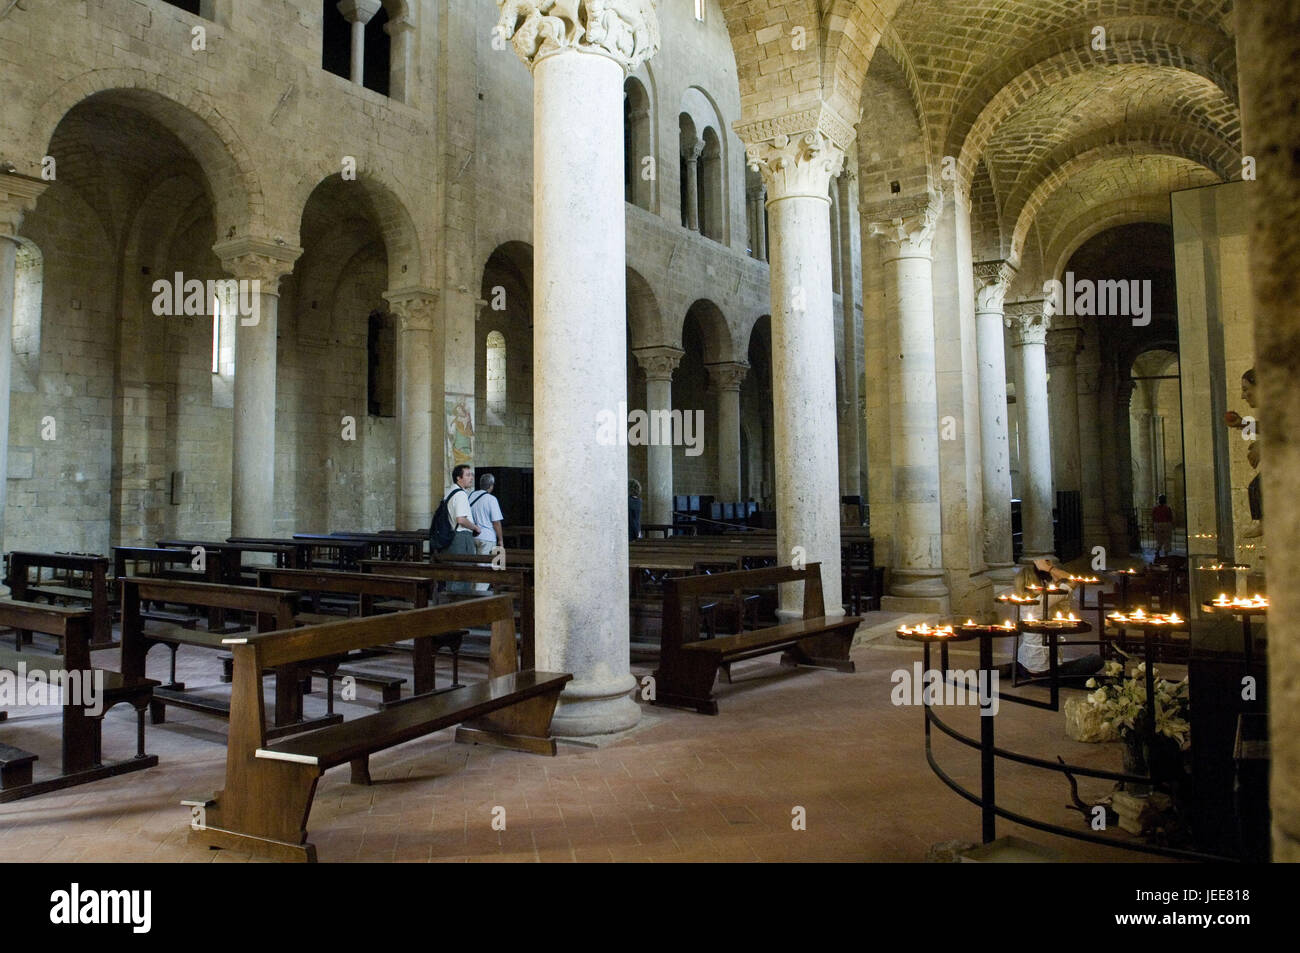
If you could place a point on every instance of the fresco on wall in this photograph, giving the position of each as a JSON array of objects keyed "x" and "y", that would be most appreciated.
[{"x": 460, "y": 428}]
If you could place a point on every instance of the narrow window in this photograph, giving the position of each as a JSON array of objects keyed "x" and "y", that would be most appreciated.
[{"x": 496, "y": 376}]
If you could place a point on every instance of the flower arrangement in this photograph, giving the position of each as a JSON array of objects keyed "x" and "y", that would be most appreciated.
[{"x": 1119, "y": 701}]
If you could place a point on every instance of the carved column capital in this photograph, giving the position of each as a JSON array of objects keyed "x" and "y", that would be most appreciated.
[
  {"x": 691, "y": 152},
  {"x": 727, "y": 375},
  {"x": 658, "y": 362},
  {"x": 414, "y": 308},
  {"x": 627, "y": 31},
  {"x": 992, "y": 280},
  {"x": 907, "y": 226},
  {"x": 257, "y": 259},
  {"x": 1029, "y": 321},
  {"x": 799, "y": 153},
  {"x": 18, "y": 195},
  {"x": 359, "y": 11}
]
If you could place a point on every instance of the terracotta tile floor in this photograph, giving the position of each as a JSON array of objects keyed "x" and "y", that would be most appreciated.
[{"x": 680, "y": 787}]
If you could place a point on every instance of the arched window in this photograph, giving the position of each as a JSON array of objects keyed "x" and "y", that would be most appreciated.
[
  {"x": 496, "y": 377},
  {"x": 385, "y": 47},
  {"x": 637, "y": 149}
]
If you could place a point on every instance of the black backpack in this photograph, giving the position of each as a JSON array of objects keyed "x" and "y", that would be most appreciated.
[{"x": 441, "y": 532}]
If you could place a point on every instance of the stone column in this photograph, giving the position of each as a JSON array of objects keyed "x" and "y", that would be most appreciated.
[
  {"x": 692, "y": 155},
  {"x": 419, "y": 480},
  {"x": 1140, "y": 445},
  {"x": 358, "y": 13},
  {"x": 659, "y": 364},
  {"x": 1029, "y": 324},
  {"x": 797, "y": 167},
  {"x": 402, "y": 33},
  {"x": 1063, "y": 401},
  {"x": 992, "y": 278},
  {"x": 913, "y": 408},
  {"x": 252, "y": 490},
  {"x": 18, "y": 194},
  {"x": 1269, "y": 33},
  {"x": 1088, "y": 373},
  {"x": 850, "y": 295},
  {"x": 579, "y": 267},
  {"x": 726, "y": 379}
]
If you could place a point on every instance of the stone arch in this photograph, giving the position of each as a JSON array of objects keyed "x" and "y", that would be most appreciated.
[
  {"x": 237, "y": 195},
  {"x": 718, "y": 346},
  {"x": 892, "y": 151},
  {"x": 1049, "y": 185},
  {"x": 384, "y": 205},
  {"x": 987, "y": 106},
  {"x": 854, "y": 30},
  {"x": 1100, "y": 218},
  {"x": 645, "y": 323},
  {"x": 765, "y": 36}
]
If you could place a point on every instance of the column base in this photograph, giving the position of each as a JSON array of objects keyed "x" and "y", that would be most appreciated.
[
  {"x": 934, "y": 605},
  {"x": 917, "y": 583},
  {"x": 596, "y": 708},
  {"x": 1002, "y": 574}
]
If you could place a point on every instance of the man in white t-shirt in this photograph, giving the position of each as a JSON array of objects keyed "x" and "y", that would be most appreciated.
[
  {"x": 485, "y": 510},
  {"x": 457, "y": 497}
]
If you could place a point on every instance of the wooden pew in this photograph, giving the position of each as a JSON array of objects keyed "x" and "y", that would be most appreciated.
[
  {"x": 273, "y": 608},
  {"x": 367, "y": 588},
  {"x": 688, "y": 665},
  {"x": 269, "y": 786},
  {"x": 82, "y": 730},
  {"x": 23, "y": 588},
  {"x": 155, "y": 559},
  {"x": 518, "y": 582}
]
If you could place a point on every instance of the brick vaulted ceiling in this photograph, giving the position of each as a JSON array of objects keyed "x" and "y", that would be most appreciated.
[{"x": 1020, "y": 92}]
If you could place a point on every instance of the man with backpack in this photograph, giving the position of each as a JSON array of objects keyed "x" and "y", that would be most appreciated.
[{"x": 453, "y": 528}]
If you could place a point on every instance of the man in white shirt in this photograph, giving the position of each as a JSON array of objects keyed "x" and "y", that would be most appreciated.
[
  {"x": 458, "y": 508},
  {"x": 485, "y": 510}
]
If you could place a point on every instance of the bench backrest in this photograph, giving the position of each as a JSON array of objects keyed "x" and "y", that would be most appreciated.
[
  {"x": 411, "y": 588},
  {"x": 681, "y": 617},
  {"x": 257, "y": 652},
  {"x": 74, "y": 626},
  {"x": 274, "y": 608}
]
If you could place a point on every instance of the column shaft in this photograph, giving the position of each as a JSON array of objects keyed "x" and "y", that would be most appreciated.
[
  {"x": 8, "y": 270},
  {"x": 1035, "y": 430},
  {"x": 693, "y": 189},
  {"x": 418, "y": 483},
  {"x": 994, "y": 451},
  {"x": 726, "y": 379},
  {"x": 252, "y": 492},
  {"x": 581, "y": 485}
]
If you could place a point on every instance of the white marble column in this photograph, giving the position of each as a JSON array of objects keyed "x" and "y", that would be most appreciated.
[
  {"x": 797, "y": 170},
  {"x": 658, "y": 364},
  {"x": 18, "y": 194},
  {"x": 417, "y": 481},
  {"x": 580, "y": 353},
  {"x": 1029, "y": 324},
  {"x": 1063, "y": 401},
  {"x": 991, "y": 281},
  {"x": 692, "y": 155},
  {"x": 358, "y": 13},
  {"x": 252, "y": 489},
  {"x": 913, "y": 409},
  {"x": 726, "y": 379}
]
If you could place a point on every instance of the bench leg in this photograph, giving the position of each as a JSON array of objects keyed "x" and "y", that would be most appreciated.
[
  {"x": 361, "y": 770},
  {"x": 157, "y": 712},
  {"x": 263, "y": 810},
  {"x": 829, "y": 650},
  {"x": 524, "y": 726},
  {"x": 685, "y": 680},
  {"x": 15, "y": 775}
]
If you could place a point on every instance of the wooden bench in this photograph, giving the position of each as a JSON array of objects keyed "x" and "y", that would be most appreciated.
[
  {"x": 82, "y": 729},
  {"x": 273, "y": 608},
  {"x": 269, "y": 786},
  {"x": 518, "y": 582},
  {"x": 688, "y": 665},
  {"x": 369, "y": 587},
  {"x": 96, "y": 594}
]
